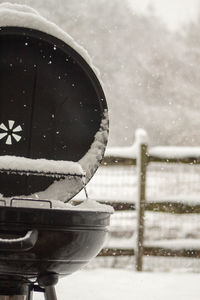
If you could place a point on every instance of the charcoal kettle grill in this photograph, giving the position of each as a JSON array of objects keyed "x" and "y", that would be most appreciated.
[{"x": 52, "y": 107}]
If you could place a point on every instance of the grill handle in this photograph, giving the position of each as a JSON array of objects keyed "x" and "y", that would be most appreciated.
[{"x": 23, "y": 243}]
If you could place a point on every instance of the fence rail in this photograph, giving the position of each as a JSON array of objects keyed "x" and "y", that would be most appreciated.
[
  {"x": 164, "y": 206},
  {"x": 153, "y": 251},
  {"x": 142, "y": 157}
]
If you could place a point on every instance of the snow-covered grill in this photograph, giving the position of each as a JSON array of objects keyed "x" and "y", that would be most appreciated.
[{"x": 53, "y": 133}]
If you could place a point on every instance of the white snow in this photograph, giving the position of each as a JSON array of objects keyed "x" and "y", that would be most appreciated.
[
  {"x": 141, "y": 136},
  {"x": 175, "y": 244},
  {"x": 91, "y": 205},
  {"x": 13, "y": 163},
  {"x": 87, "y": 205},
  {"x": 123, "y": 152},
  {"x": 90, "y": 161},
  {"x": 175, "y": 152},
  {"x": 117, "y": 284},
  {"x": 158, "y": 151},
  {"x": 166, "y": 152},
  {"x": 63, "y": 190}
]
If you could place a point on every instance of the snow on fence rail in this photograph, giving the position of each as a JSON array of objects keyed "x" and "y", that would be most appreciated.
[{"x": 141, "y": 156}]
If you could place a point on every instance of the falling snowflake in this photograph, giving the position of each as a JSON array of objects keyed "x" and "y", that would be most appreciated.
[{"x": 10, "y": 132}]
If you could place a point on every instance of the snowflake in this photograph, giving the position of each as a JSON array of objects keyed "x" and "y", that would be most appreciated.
[{"x": 10, "y": 132}]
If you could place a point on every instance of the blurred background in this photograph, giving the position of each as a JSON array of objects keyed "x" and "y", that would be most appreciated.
[{"x": 148, "y": 54}]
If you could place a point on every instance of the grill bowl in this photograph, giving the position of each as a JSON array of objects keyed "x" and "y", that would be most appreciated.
[{"x": 65, "y": 241}]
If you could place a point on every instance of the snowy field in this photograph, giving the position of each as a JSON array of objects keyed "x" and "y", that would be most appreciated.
[
  {"x": 114, "y": 284},
  {"x": 178, "y": 183},
  {"x": 164, "y": 181}
]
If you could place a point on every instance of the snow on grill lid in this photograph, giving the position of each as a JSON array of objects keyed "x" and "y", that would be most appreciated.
[
  {"x": 14, "y": 164},
  {"x": 25, "y": 16}
]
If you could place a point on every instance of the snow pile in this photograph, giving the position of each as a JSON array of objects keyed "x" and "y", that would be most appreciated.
[
  {"x": 141, "y": 136},
  {"x": 90, "y": 205},
  {"x": 122, "y": 152},
  {"x": 172, "y": 244},
  {"x": 175, "y": 244},
  {"x": 175, "y": 152},
  {"x": 87, "y": 205},
  {"x": 117, "y": 284},
  {"x": 166, "y": 152},
  {"x": 13, "y": 164},
  {"x": 90, "y": 161}
]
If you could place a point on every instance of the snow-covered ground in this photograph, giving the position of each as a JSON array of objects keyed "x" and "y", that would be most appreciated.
[
  {"x": 115, "y": 284},
  {"x": 178, "y": 183},
  {"x": 164, "y": 181}
]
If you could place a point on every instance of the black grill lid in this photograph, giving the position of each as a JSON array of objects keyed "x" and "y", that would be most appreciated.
[{"x": 51, "y": 106}]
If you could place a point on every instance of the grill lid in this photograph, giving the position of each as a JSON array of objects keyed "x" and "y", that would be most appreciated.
[{"x": 52, "y": 107}]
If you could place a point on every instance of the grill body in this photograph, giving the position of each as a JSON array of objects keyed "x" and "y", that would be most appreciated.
[{"x": 66, "y": 240}]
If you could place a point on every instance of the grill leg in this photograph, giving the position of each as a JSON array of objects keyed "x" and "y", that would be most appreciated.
[
  {"x": 50, "y": 293},
  {"x": 47, "y": 282}
]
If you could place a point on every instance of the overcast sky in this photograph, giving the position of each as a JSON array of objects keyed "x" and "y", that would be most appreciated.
[{"x": 174, "y": 13}]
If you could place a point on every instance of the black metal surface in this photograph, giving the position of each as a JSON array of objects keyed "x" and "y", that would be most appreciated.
[
  {"x": 48, "y": 282},
  {"x": 67, "y": 240},
  {"x": 53, "y": 174},
  {"x": 29, "y": 218},
  {"x": 54, "y": 99},
  {"x": 50, "y": 293},
  {"x": 10, "y": 286}
]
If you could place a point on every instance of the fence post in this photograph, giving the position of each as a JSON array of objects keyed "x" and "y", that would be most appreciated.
[{"x": 142, "y": 161}]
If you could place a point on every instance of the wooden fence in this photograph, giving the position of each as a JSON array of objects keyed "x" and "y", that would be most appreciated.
[{"x": 142, "y": 157}]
